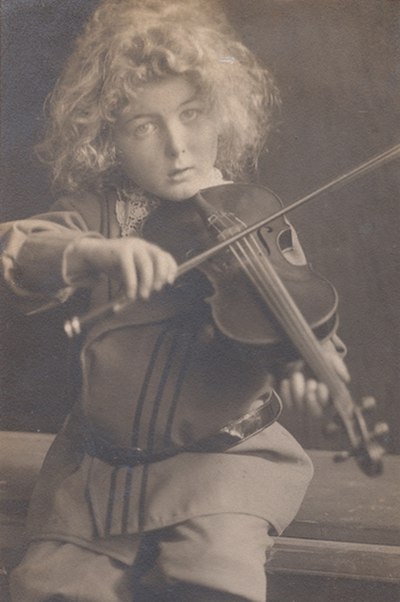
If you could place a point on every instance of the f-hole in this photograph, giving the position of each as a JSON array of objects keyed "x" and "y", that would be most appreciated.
[{"x": 263, "y": 237}]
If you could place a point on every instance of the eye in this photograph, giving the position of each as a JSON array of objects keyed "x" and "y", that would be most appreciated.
[
  {"x": 190, "y": 114},
  {"x": 145, "y": 129}
]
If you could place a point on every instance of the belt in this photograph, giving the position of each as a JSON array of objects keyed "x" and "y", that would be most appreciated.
[{"x": 233, "y": 433}]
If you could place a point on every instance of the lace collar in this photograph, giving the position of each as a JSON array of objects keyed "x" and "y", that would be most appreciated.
[{"x": 133, "y": 206}]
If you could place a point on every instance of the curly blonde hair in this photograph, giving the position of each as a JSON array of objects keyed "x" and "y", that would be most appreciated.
[{"x": 128, "y": 43}]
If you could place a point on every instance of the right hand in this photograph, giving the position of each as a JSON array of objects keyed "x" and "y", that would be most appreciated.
[{"x": 141, "y": 267}]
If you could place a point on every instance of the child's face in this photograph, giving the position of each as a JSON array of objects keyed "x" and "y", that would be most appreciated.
[{"x": 167, "y": 139}]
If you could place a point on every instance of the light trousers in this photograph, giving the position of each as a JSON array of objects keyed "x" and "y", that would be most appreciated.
[{"x": 215, "y": 558}]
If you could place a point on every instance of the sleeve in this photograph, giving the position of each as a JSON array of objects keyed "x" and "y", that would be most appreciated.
[{"x": 36, "y": 263}]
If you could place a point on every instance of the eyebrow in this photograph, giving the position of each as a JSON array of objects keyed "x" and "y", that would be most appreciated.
[
  {"x": 195, "y": 96},
  {"x": 147, "y": 115}
]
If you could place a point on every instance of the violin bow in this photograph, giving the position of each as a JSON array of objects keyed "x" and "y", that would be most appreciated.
[{"x": 76, "y": 324}]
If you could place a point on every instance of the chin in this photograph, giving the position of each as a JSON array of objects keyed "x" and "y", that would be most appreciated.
[{"x": 182, "y": 194}]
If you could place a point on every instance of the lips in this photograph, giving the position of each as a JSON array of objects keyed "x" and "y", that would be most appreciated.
[{"x": 179, "y": 172}]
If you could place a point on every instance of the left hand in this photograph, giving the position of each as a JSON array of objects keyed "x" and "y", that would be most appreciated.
[{"x": 303, "y": 395}]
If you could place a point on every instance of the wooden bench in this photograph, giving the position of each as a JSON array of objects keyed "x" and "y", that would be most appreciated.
[{"x": 343, "y": 546}]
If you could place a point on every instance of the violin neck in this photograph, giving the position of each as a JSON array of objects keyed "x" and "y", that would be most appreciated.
[{"x": 300, "y": 333}]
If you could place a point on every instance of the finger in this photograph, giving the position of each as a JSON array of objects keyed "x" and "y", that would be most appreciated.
[
  {"x": 160, "y": 267},
  {"x": 310, "y": 398},
  {"x": 144, "y": 265},
  {"x": 128, "y": 275},
  {"x": 271, "y": 380},
  {"x": 297, "y": 387},
  {"x": 172, "y": 269},
  {"x": 285, "y": 393},
  {"x": 322, "y": 393},
  {"x": 164, "y": 269}
]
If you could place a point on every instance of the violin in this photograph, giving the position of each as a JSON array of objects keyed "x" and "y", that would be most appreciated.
[
  {"x": 259, "y": 296},
  {"x": 253, "y": 275}
]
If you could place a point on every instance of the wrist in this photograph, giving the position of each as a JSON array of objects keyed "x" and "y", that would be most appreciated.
[{"x": 77, "y": 268}]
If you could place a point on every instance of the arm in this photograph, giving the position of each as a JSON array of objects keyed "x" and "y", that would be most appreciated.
[
  {"x": 33, "y": 265},
  {"x": 47, "y": 257}
]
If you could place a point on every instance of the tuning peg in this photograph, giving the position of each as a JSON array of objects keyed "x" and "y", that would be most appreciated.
[
  {"x": 381, "y": 429},
  {"x": 368, "y": 404}
]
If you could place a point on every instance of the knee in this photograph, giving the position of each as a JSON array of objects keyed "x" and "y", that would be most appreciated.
[
  {"x": 29, "y": 580},
  {"x": 20, "y": 586},
  {"x": 221, "y": 553}
]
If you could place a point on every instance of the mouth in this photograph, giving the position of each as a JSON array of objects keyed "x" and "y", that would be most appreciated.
[{"x": 179, "y": 174}]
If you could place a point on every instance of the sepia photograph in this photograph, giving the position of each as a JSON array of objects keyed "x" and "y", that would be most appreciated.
[{"x": 199, "y": 301}]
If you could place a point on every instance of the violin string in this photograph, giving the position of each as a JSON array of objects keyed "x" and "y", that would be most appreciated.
[
  {"x": 294, "y": 325},
  {"x": 258, "y": 269}
]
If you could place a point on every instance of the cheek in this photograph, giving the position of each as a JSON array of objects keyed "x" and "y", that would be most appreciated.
[
  {"x": 207, "y": 143},
  {"x": 135, "y": 160}
]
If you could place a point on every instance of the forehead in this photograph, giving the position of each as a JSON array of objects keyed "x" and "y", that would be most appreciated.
[{"x": 161, "y": 97}]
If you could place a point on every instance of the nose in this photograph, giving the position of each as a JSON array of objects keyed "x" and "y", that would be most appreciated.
[{"x": 175, "y": 140}]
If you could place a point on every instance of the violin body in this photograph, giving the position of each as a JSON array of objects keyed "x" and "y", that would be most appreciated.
[{"x": 187, "y": 228}]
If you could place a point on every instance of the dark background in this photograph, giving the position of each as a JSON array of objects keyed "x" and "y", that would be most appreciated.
[{"x": 337, "y": 63}]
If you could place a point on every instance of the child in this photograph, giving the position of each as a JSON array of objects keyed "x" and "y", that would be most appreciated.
[{"x": 142, "y": 494}]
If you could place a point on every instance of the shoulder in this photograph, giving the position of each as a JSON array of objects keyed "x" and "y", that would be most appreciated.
[{"x": 92, "y": 207}]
